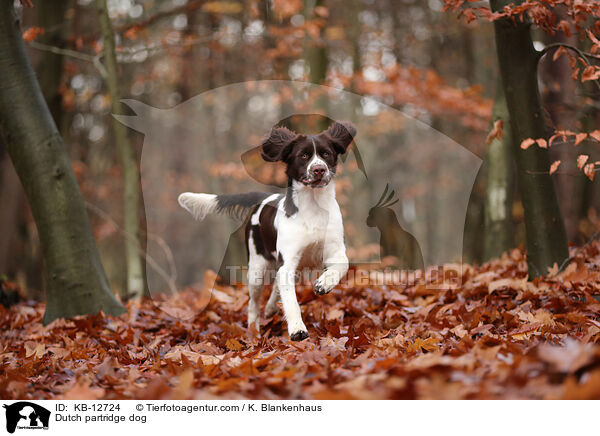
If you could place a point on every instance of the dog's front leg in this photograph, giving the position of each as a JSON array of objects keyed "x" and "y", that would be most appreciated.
[
  {"x": 291, "y": 309},
  {"x": 336, "y": 266}
]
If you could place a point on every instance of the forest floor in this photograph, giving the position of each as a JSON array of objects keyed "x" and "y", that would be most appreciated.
[{"x": 495, "y": 336}]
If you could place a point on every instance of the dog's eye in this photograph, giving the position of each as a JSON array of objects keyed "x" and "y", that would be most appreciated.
[
  {"x": 325, "y": 154},
  {"x": 305, "y": 156}
]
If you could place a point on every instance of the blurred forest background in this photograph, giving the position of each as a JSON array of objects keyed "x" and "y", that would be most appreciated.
[{"x": 409, "y": 54}]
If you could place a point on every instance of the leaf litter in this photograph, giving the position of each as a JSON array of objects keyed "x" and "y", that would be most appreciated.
[{"x": 496, "y": 336}]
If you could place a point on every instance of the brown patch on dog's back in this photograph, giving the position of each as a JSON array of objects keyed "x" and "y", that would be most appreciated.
[{"x": 264, "y": 234}]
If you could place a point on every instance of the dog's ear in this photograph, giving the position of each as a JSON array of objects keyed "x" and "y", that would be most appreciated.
[
  {"x": 340, "y": 134},
  {"x": 278, "y": 145}
]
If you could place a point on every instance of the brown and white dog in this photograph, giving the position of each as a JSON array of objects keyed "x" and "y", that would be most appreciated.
[{"x": 301, "y": 228}]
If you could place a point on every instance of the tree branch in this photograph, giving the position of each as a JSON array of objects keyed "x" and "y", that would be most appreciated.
[
  {"x": 585, "y": 56},
  {"x": 61, "y": 51},
  {"x": 581, "y": 53},
  {"x": 120, "y": 29},
  {"x": 96, "y": 59}
]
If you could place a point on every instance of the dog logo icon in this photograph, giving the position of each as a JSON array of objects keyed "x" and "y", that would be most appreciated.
[{"x": 26, "y": 415}]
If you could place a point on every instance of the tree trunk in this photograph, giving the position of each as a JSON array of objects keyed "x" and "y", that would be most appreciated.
[
  {"x": 517, "y": 58},
  {"x": 498, "y": 228},
  {"x": 131, "y": 204},
  {"x": 558, "y": 101},
  {"x": 316, "y": 57},
  {"x": 76, "y": 283},
  {"x": 11, "y": 199},
  {"x": 49, "y": 69}
]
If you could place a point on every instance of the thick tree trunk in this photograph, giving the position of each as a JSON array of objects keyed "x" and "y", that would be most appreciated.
[
  {"x": 131, "y": 204},
  {"x": 558, "y": 101},
  {"x": 11, "y": 199},
  {"x": 517, "y": 58},
  {"x": 76, "y": 283},
  {"x": 498, "y": 228}
]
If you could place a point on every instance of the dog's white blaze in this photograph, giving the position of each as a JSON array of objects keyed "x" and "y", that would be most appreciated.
[{"x": 316, "y": 160}]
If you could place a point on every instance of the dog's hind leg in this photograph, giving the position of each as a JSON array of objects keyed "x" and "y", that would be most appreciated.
[
  {"x": 256, "y": 272},
  {"x": 272, "y": 308}
]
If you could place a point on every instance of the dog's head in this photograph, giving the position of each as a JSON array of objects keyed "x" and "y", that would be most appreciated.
[{"x": 310, "y": 159}]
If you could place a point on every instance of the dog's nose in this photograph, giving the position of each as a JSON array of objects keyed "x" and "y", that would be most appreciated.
[{"x": 319, "y": 170}]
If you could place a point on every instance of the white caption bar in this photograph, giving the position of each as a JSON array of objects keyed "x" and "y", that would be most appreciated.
[{"x": 368, "y": 418}]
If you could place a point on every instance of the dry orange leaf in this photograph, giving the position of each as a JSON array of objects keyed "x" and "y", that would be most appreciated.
[
  {"x": 527, "y": 143},
  {"x": 496, "y": 132},
  {"x": 580, "y": 137}
]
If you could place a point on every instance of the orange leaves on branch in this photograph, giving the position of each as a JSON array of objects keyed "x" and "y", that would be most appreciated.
[
  {"x": 526, "y": 143},
  {"x": 559, "y": 52},
  {"x": 581, "y": 160},
  {"x": 591, "y": 72},
  {"x": 496, "y": 132},
  {"x": 427, "y": 91},
  {"x": 588, "y": 170},
  {"x": 132, "y": 33},
  {"x": 222, "y": 7},
  {"x": 565, "y": 27},
  {"x": 596, "y": 42},
  {"x": 580, "y": 137},
  {"x": 286, "y": 8},
  {"x": 595, "y": 135},
  {"x": 321, "y": 11},
  {"x": 562, "y": 134},
  {"x": 32, "y": 33},
  {"x": 469, "y": 15}
]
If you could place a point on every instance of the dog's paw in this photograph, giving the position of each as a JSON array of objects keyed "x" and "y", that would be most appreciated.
[
  {"x": 300, "y": 335},
  {"x": 319, "y": 289},
  {"x": 324, "y": 284}
]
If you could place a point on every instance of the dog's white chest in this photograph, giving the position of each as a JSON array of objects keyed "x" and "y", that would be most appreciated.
[{"x": 313, "y": 222}]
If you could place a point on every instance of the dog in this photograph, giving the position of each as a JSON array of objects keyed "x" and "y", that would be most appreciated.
[{"x": 286, "y": 232}]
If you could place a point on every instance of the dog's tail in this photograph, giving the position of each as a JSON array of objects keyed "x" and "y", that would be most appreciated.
[{"x": 236, "y": 205}]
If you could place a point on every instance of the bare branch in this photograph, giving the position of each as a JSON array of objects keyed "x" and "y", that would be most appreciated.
[{"x": 62, "y": 51}]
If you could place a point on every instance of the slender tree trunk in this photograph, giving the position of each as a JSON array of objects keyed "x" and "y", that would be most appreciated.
[
  {"x": 76, "y": 283},
  {"x": 316, "y": 54},
  {"x": 316, "y": 57},
  {"x": 49, "y": 69},
  {"x": 131, "y": 204},
  {"x": 517, "y": 58},
  {"x": 498, "y": 228}
]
